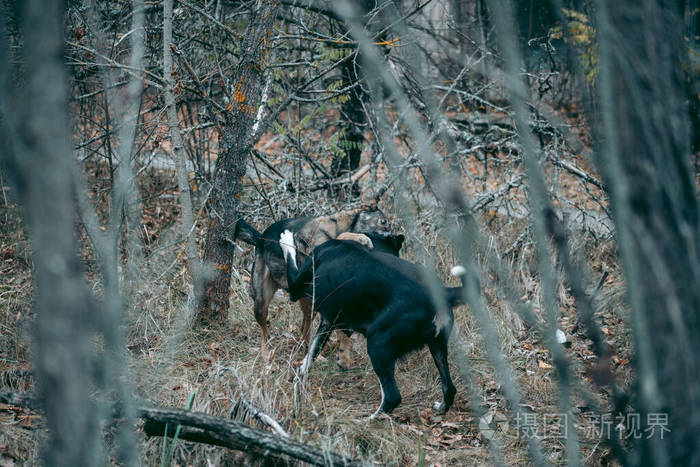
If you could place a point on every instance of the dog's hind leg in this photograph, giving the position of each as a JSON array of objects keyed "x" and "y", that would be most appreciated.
[
  {"x": 383, "y": 363},
  {"x": 438, "y": 349},
  {"x": 320, "y": 339},
  {"x": 263, "y": 289}
]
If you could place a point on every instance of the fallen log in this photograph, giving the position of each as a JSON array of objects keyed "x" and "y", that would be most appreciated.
[{"x": 218, "y": 431}]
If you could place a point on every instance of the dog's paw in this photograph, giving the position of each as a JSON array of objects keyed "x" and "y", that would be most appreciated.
[
  {"x": 439, "y": 407},
  {"x": 561, "y": 337},
  {"x": 362, "y": 239},
  {"x": 379, "y": 414}
]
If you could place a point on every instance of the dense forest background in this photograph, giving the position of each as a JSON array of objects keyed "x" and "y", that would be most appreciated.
[{"x": 550, "y": 147}]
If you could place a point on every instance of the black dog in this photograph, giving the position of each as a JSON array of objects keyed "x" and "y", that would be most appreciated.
[
  {"x": 380, "y": 296},
  {"x": 269, "y": 271}
]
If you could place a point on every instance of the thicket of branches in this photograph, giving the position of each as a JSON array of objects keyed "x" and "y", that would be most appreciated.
[{"x": 570, "y": 115}]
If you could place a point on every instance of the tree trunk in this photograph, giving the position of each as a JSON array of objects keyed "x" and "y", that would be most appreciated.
[
  {"x": 352, "y": 112},
  {"x": 353, "y": 120},
  {"x": 236, "y": 144},
  {"x": 40, "y": 162},
  {"x": 647, "y": 168},
  {"x": 179, "y": 150}
]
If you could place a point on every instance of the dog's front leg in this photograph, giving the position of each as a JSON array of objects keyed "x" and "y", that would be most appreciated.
[
  {"x": 362, "y": 239},
  {"x": 383, "y": 362},
  {"x": 320, "y": 339},
  {"x": 306, "y": 313}
]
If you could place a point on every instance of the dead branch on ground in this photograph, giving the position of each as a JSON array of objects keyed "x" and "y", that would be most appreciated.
[{"x": 217, "y": 431}]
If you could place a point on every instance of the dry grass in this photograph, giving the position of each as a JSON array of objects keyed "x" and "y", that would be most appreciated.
[{"x": 169, "y": 359}]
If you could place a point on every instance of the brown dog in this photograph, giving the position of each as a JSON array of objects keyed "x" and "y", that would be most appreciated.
[{"x": 269, "y": 272}]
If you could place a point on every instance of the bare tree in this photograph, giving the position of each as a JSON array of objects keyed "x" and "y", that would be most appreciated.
[
  {"x": 35, "y": 119},
  {"x": 646, "y": 163},
  {"x": 236, "y": 142},
  {"x": 179, "y": 149},
  {"x": 352, "y": 109}
]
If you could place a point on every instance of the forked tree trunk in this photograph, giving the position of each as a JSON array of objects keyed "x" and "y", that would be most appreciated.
[{"x": 236, "y": 143}]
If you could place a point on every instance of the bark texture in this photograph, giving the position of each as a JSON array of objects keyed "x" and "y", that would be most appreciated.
[
  {"x": 647, "y": 166},
  {"x": 179, "y": 148},
  {"x": 208, "y": 429},
  {"x": 236, "y": 144},
  {"x": 353, "y": 119},
  {"x": 40, "y": 161}
]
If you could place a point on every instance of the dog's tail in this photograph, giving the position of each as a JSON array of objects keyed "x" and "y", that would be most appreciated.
[
  {"x": 454, "y": 294},
  {"x": 246, "y": 232}
]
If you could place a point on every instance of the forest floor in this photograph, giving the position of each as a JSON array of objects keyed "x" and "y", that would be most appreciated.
[{"x": 169, "y": 359}]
